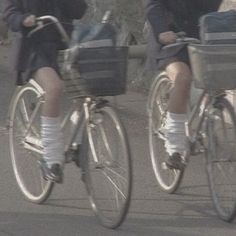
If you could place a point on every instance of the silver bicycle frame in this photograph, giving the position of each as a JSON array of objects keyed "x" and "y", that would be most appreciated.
[
  {"x": 79, "y": 125},
  {"x": 205, "y": 100},
  {"x": 193, "y": 115}
]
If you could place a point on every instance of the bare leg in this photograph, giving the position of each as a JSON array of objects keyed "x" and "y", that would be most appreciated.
[
  {"x": 53, "y": 87},
  {"x": 175, "y": 142},
  {"x": 180, "y": 74},
  {"x": 52, "y": 137}
]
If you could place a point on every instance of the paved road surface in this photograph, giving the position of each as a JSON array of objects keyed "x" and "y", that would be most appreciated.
[{"x": 67, "y": 212}]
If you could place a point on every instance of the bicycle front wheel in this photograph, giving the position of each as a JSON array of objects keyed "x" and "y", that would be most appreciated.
[
  {"x": 168, "y": 179},
  {"x": 24, "y": 143},
  {"x": 108, "y": 177},
  {"x": 221, "y": 158}
]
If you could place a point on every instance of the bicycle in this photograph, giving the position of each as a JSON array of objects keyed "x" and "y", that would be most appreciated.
[
  {"x": 210, "y": 128},
  {"x": 98, "y": 143}
]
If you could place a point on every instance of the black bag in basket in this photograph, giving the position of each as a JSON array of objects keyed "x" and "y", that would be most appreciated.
[
  {"x": 98, "y": 35},
  {"x": 218, "y": 28},
  {"x": 96, "y": 66}
]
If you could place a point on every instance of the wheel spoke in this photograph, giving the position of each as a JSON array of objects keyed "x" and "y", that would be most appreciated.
[
  {"x": 105, "y": 141},
  {"x": 158, "y": 101},
  {"x": 114, "y": 184},
  {"x": 221, "y": 159},
  {"x": 25, "y": 119},
  {"x": 108, "y": 179}
]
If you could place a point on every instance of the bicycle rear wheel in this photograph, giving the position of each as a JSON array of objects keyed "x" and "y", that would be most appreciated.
[
  {"x": 24, "y": 143},
  {"x": 221, "y": 158},
  {"x": 108, "y": 177},
  {"x": 168, "y": 179}
]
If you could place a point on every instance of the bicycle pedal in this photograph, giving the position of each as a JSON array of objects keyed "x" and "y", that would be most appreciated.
[{"x": 33, "y": 141}]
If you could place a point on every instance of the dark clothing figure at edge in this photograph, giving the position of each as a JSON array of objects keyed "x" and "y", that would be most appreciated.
[
  {"x": 45, "y": 42},
  {"x": 176, "y": 16},
  {"x": 165, "y": 19},
  {"x": 36, "y": 57}
]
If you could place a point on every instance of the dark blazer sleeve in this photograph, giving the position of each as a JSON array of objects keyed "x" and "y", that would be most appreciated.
[
  {"x": 13, "y": 15},
  {"x": 156, "y": 14},
  {"x": 73, "y": 9}
]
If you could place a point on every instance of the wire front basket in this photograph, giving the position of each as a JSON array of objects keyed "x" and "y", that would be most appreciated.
[
  {"x": 98, "y": 71},
  {"x": 213, "y": 66}
]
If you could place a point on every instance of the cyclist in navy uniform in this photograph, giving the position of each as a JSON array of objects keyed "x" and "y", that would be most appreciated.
[
  {"x": 37, "y": 57},
  {"x": 166, "y": 18}
]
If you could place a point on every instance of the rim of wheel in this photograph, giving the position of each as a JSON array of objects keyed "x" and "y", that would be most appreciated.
[
  {"x": 221, "y": 166},
  {"x": 167, "y": 179},
  {"x": 109, "y": 181},
  {"x": 26, "y": 169}
]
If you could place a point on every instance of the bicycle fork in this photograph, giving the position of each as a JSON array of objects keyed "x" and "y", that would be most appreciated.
[
  {"x": 195, "y": 136},
  {"x": 89, "y": 129}
]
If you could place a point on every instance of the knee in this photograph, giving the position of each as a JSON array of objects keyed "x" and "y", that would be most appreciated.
[
  {"x": 50, "y": 82},
  {"x": 183, "y": 77},
  {"x": 54, "y": 89},
  {"x": 183, "y": 80}
]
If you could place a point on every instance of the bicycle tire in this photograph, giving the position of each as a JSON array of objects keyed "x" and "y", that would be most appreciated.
[
  {"x": 24, "y": 161},
  {"x": 108, "y": 181},
  {"x": 221, "y": 159},
  {"x": 168, "y": 179}
]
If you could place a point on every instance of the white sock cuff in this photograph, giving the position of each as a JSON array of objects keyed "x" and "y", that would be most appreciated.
[
  {"x": 52, "y": 140},
  {"x": 52, "y": 122},
  {"x": 176, "y": 117}
]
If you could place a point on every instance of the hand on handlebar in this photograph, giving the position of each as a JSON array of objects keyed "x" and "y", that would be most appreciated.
[
  {"x": 171, "y": 38},
  {"x": 168, "y": 37},
  {"x": 44, "y": 21},
  {"x": 38, "y": 22},
  {"x": 30, "y": 21}
]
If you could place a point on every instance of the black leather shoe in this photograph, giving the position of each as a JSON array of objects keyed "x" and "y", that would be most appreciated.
[
  {"x": 175, "y": 161},
  {"x": 54, "y": 173}
]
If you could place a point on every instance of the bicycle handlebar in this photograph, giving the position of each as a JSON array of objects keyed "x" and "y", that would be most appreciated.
[
  {"x": 136, "y": 51},
  {"x": 139, "y": 51},
  {"x": 182, "y": 40},
  {"x": 40, "y": 24}
]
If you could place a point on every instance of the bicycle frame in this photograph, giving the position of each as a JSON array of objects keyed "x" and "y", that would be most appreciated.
[
  {"x": 33, "y": 144},
  {"x": 192, "y": 136},
  {"x": 205, "y": 99},
  {"x": 77, "y": 132}
]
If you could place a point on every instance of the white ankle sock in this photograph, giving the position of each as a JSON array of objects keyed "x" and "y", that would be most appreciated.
[
  {"x": 175, "y": 133},
  {"x": 52, "y": 140}
]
